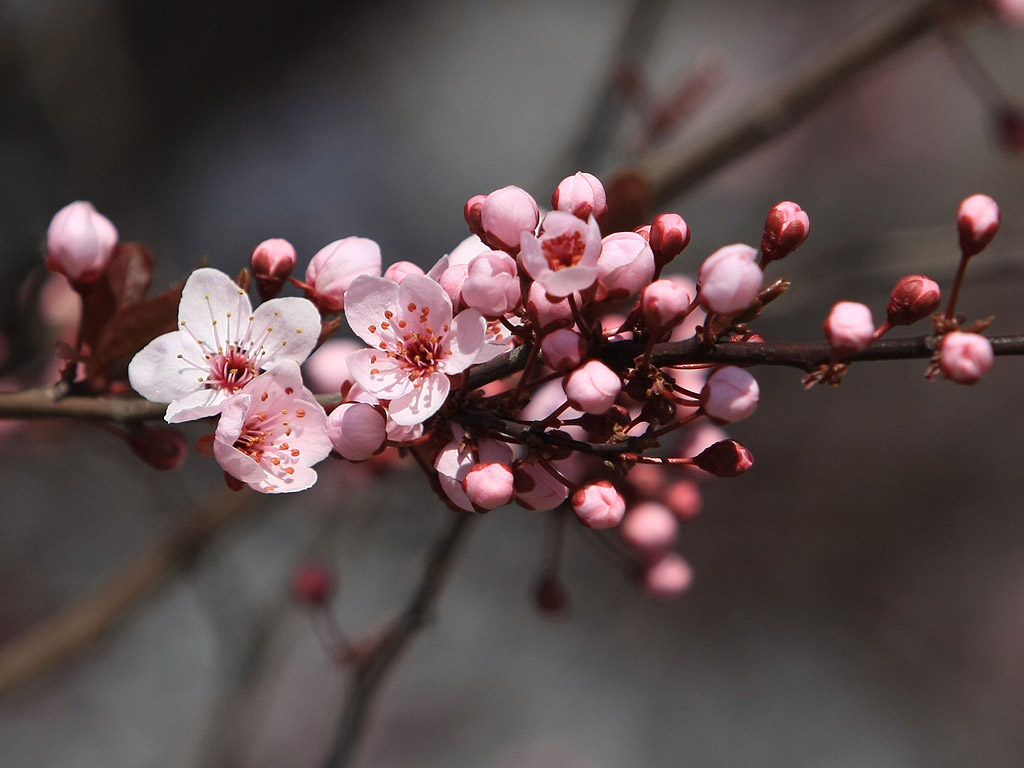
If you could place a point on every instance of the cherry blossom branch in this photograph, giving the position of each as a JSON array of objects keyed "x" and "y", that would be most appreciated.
[
  {"x": 43, "y": 647},
  {"x": 371, "y": 667}
]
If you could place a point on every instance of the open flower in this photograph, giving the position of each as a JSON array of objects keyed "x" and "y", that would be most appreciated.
[
  {"x": 220, "y": 346},
  {"x": 272, "y": 432},
  {"x": 564, "y": 257},
  {"x": 415, "y": 343}
]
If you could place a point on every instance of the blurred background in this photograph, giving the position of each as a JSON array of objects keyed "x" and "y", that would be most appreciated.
[{"x": 859, "y": 596}]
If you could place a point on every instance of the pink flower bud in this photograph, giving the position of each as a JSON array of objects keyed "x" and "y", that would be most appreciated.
[
  {"x": 664, "y": 303},
  {"x": 684, "y": 498},
  {"x": 472, "y": 211},
  {"x": 581, "y": 195},
  {"x": 357, "y": 430},
  {"x": 726, "y": 458},
  {"x": 730, "y": 394},
  {"x": 336, "y": 265},
  {"x": 650, "y": 527},
  {"x": 313, "y": 583},
  {"x": 547, "y": 314},
  {"x": 1010, "y": 11},
  {"x": 563, "y": 349},
  {"x": 504, "y": 215},
  {"x": 326, "y": 370},
  {"x": 669, "y": 236},
  {"x": 849, "y": 328},
  {"x": 489, "y": 486},
  {"x": 492, "y": 284},
  {"x": 785, "y": 230},
  {"x": 965, "y": 357},
  {"x": 599, "y": 505},
  {"x": 914, "y": 298},
  {"x": 978, "y": 221},
  {"x": 626, "y": 264},
  {"x": 160, "y": 448},
  {"x": 80, "y": 242},
  {"x": 729, "y": 279},
  {"x": 536, "y": 489},
  {"x": 401, "y": 270},
  {"x": 667, "y": 576},
  {"x": 592, "y": 388},
  {"x": 272, "y": 264}
]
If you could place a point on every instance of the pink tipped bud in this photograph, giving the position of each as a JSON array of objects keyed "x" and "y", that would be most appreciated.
[
  {"x": 335, "y": 266},
  {"x": 668, "y": 576},
  {"x": 978, "y": 221},
  {"x": 785, "y": 230},
  {"x": 726, "y": 458},
  {"x": 664, "y": 303},
  {"x": 914, "y": 298},
  {"x": 401, "y": 270},
  {"x": 599, "y": 505},
  {"x": 489, "y": 486},
  {"x": 547, "y": 313},
  {"x": 581, "y": 195},
  {"x": 504, "y": 215},
  {"x": 965, "y": 357},
  {"x": 626, "y": 264},
  {"x": 272, "y": 264},
  {"x": 650, "y": 527},
  {"x": 669, "y": 236},
  {"x": 592, "y": 388},
  {"x": 849, "y": 328},
  {"x": 80, "y": 242},
  {"x": 472, "y": 211},
  {"x": 730, "y": 394},
  {"x": 160, "y": 448},
  {"x": 491, "y": 285},
  {"x": 313, "y": 583},
  {"x": 729, "y": 279},
  {"x": 357, "y": 430},
  {"x": 563, "y": 349}
]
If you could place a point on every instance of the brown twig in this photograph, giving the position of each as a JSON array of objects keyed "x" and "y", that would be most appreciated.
[{"x": 43, "y": 647}]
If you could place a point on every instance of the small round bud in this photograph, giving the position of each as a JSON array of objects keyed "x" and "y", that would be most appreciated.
[
  {"x": 313, "y": 583},
  {"x": 667, "y": 576},
  {"x": 272, "y": 263},
  {"x": 472, "y": 211},
  {"x": 491, "y": 285},
  {"x": 544, "y": 313},
  {"x": 729, "y": 279},
  {"x": 626, "y": 264},
  {"x": 592, "y": 388},
  {"x": 965, "y": 357},
  {"x": 357, "y": 430},
  {"x": 726, "y": 458},
  {"x": 599, "y": 505},
  {"x": 684, "y": 498},
  {"x": 914, "y": 298},
  {"x": 160, "y": 448},
  {"x": 669, "y": 236},
  {"x": 650, "y": 527},
  {"x": 335, "y": 266},
  {"x": 80, "y": 242},
  {"x": 489, "y": 486},
  {"x": 401, "y": 270},
  {"x": 664, "y": 304},
  {"x": 849, "y": 328},
  {"x": 730, "y": 394},
  {"x": 785, "y": 230},
  {"x": 563, "y": 349},
  {"x": 978, "y": 221},
  {"x": 504, "y": 215},
  {"x": 581, "y": 195}
]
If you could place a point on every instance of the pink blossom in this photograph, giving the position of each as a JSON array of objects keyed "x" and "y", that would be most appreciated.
[
  {"x": 492, "y": 284},
  {"x": 220, "y": 346},
  {"x": 357, "y": 430},
  {"x": 1011, "y": 11},
  {"x": 599, "y": 505},
  {"x": 582, "y": 195},
  {"x": 965, "y": 357},
  {"x": 80, "y": 242},
  {"x": 667, "y": 576},
  {"x": 626, "y": 264},
  {"x": 336, "y": 265},
  {"x": 272, "y": 263},
  {"x": 664, "y": 304},
  {"x": 729, "y": 279},
  {"x": 272, "y": 432},
  {"x": 731, "y": 394},
  {"x": 978, "y": 221},
  {"x": 544, "y": 313},
  {"x": 592, "y": 388},
  {"x": 563, "y": 349},
  {"x": 564, "y": 257},
  {"x": 459, "y": 456},
  {"x": 401, "y": 270},
  {"x": 505, "y": 215},
  {"x": 489, "y": 485},
  {"x": 650, "y": 527},
  {"x": 415, "y": 343},
  {"x": 849, "y": 328}
]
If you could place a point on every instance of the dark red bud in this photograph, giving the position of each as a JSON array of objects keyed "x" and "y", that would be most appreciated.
[
  {"x": 785, "y": 229},
  {"x": 726, "y": 458},
  {"x": 914, "y": 298},
  {"x": 160, "y": 448},
  {"x": 313, "y": 583}
]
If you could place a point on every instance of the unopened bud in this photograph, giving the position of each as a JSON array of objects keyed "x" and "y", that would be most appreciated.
[
  {"x": 335, "y": 266},
  {"x": 504, "y": 215},
  {"x": 357, "y": 430},
  {"x": 401, "y": 270},
  {"x": 726, "y": 458},
  {"x": 978, "y": 221},
  {"x": 272, "y": 264},
  {"x": 669, "y": 236},
  {"x": 684, "y": 498},
  {"x": 563, "y": 349},
  {"x": 730, "y": 394},
  {"x": 650, "y": 527},
  {"x": 668, "y": 576},
  {"x": 625, "y": 266},
  {"x": 664, "y": 304},
  {"x": 489, "y": 486},
  {"x": 80, "y": 242},
  {"x": 914, "y": 298},
  {"x": 849, "y": 328},
  {"x": 729, "y": 279},
  {"x": 472, "y": 211},
  {"x": 785, "y": 229},
  {"x": 599, "y": 505},
  {"x": 160, "y": 448},
  {"x": 592, "y": 388},
  {"x": 313, "y": 583},
  {"x": 582, "y": 195},
  {"x": 965, "y": 357}
]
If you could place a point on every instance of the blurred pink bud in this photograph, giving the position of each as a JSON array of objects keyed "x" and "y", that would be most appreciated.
[
  {"x": 726, "y": 458},
  {"x": 313, "y": 583},
  {"x": 664, "y": 303},
  {"x": 668, "y": 576},
  {"x": 504, "y": 215},
  {"x": 702, "y": 436},
  {"x": 547, "y": 313},
  {"x": 599, "y": 505},
  {"x": 159, "y": 447},
  {"x": 914, "y": 298},
  {"x": 978, "y": 221},
  {"x": 401, "y": 270},
  {"x": 965, "y": 357},
  {"x": 582, "y": 195},
  {"x": 272, "y": 264},
  {"x": 729, "y": 279},
  {"x": 626, "y": 264},
  {"x": 489, "y": 486},
  {"x": 335, "y": 266},
  {"x": 785, "y": 230},
  {"x": 650, "y": 527},
  {"x": 472, "y": 211},
  {"x": 80, "y": 242},
  {"x": 1011, "y": 11},
  {"x": 849, "y": 328},
  {"x": 592, "y": 388},
  {"x": 491, "y": 285},
  {"x": 684, "y": 498},
  {"x": 536, "y": 489},
  {"x": 563, "y": 349},
  {"x": 1010, "y": 127},
  {"x": 669, "y": 236},
  {"x": 326, "y": 370},
  {"x": 730, "y": 394},
  {"x": 357, "y": 430}
]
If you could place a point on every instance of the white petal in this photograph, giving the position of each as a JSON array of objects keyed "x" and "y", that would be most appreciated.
[
  {"x": 286, "y": 328},
  {"x": 207, "y": 298},
  {"x": 366, "y": 301},
  {"x": 464, "y": 341},
  {"x": 422, "y": 403}
]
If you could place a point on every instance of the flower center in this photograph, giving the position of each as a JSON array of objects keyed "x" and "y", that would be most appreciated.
[
  {"x": 565, "y": 250},
  {"x": 230, "y": 370}
]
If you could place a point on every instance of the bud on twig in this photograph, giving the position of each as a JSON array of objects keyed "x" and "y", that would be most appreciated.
[
  {"x": 726, "y": 458},
  {"x": 914, "y": 298}
]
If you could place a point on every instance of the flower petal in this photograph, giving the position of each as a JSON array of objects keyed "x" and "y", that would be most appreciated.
[
  {"x": 464, "y": 340},
  {"x": 422, "y": 403},
  {"x": 366, "y": 301}
]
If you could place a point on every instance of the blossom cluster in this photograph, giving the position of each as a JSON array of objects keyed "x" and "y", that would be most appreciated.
[{"x": 526, "y": 366}]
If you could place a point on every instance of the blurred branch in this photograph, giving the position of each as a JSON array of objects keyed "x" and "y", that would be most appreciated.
[{"x": 48, "y": 644}]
